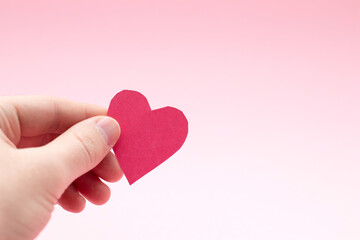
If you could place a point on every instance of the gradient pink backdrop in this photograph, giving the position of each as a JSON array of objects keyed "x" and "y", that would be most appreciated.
[{"x": 271, "y": 90}]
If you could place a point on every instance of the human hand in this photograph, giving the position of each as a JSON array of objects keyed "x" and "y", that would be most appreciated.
[{"x": 51, "y": 151}]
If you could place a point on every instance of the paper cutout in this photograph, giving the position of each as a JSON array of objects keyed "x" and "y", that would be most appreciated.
[{"x": 148, "y": 137}]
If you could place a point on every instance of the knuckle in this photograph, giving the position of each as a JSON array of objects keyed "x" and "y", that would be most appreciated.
[{"x": 88, "y": 146}]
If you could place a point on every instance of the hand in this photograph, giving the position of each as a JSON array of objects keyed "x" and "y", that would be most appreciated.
[{"x": 52, "y": 151}]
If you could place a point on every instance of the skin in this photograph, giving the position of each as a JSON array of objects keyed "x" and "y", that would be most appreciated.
[{"x": 52, "y": 151}]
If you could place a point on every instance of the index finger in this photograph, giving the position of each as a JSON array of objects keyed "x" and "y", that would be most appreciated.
[{"x": 47, "y": 114}]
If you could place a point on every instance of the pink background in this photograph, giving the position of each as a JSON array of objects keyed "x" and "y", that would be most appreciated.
[{"x": 271, "y": 90}]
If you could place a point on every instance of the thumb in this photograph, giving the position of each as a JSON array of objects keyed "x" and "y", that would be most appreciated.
[{"x": 83, "y": 146}]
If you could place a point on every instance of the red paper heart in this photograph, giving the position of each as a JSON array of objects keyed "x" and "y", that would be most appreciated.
[{"x": 148, "y": 138}]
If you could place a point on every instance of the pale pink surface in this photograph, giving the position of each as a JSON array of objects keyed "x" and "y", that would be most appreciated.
[{"x": 271, "y": 90}]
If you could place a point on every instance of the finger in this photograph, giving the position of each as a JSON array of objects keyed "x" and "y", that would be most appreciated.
[
  {"x": 5, "y": 141},
  {"x": 39, "y": 115},
  {"x": 82, "y": 147},
  {"x": 36, "y": 141},
  {"x": 71, "y": 200},
  {"x": 108, "y": 169},
  {"x": 92, "y": 188}
]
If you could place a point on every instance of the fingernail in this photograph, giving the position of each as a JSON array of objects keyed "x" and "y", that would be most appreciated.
[{"x": 109, "y": 130}]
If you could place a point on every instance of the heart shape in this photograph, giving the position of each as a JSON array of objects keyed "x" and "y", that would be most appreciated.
[{"x": 148, "y": 137}]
